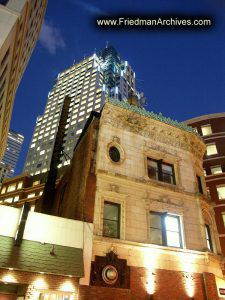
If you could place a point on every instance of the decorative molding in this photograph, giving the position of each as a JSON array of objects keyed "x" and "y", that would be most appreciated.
[
  {"x": 115, "y": 143},
  {"x": 163, "y": 204},
  {"x": 110, "y": 271},
  {"x": 154, "y": 128}
]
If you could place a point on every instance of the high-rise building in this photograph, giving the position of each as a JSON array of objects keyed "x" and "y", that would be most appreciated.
[
  {"x": 20, "y": 24},
  {"x": 212, "y": 127},
  {"x": 88, "y": 83},
  {"x": 10, "y": 158},
  {"x": 4, "y": 169}
]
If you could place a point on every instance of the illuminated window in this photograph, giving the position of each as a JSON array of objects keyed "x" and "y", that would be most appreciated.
[
  {"x": 223, "y": 216},
  {"x": 16, "y": 198},
  {"x": 211, "y": 149},
  {"x": 31, "y": 195},
  {"x": 8, "y": 200},
  {"x": 111, "y": 220},
  {"x": 206, "y": 130},
  {"x": 20, "y": 185},
  {"x": 161, "y": 171},
  {"x": 11, "y": 187},
  {"x": 208, "y": 238},
  {"x": 216, "y": 170},
  {"x": 221, "y": 192},
  {"x": 79, "y": 131},
  {"x": 3, "y": 190},
  {"x": 165, "y": 229},
  {"x": 36, "y": 182}
]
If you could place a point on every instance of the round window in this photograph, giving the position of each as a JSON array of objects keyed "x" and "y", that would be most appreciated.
[{"x": 114, "y": 154}]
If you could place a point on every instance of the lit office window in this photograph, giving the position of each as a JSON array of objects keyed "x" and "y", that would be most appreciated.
[
  {"x": 221, "y": 192},
  {"x": 11, "y": 187},
  {"x": 216, "y": 170},
  {"x": 31, "y": 195},
  {"x": 223, "y": 215},
  {"x": 211, "y": 149},
  {"x": 206, "y": 130},
  {"x": 20, "y": 185}
]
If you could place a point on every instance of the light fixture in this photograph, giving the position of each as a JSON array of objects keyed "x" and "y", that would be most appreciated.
[{"x": 10, "y": 269}]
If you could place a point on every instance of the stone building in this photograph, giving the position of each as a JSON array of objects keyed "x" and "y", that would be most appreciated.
[{"x": 138, "y": 177}]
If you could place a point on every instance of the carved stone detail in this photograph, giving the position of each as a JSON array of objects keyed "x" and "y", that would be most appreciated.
[
  {"x": 153, "y": 129},
  {"x": 113, "y": 263}
]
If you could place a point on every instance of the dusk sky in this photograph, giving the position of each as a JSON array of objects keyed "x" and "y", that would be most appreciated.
[{"x": 180, "y": 71}]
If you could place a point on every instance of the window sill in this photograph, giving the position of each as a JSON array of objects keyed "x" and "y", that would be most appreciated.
[{"x": 164, "y": 184}]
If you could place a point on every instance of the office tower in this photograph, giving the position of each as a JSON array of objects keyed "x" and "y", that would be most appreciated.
[
  {"x": 88, "y": 83},
  {"x": 20, "y": 24},
  {"x": 10, "y": 158},
  {"x": 4, "y": 169}
]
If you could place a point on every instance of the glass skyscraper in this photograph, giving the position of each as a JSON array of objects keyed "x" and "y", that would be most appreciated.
[
  {"x": 88, "y": 83},
  {"x": 10, "y": 158}
]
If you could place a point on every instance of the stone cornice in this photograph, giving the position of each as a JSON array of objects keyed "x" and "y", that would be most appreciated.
[{"x": 155, "y": 129}]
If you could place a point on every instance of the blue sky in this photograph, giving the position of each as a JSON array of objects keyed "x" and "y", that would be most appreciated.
[{"x": 181, "y": 72}]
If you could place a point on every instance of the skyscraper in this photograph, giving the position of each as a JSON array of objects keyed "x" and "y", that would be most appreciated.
[
  {"x": 88, "y": 83},
  {"x": 20, "y": 24},
  {"x": 10, "y": 158}
]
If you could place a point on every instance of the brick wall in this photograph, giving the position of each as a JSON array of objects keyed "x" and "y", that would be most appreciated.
[
  {"x": 79, "y": 183},
  {"x": 168, "y": 285},
  {"x": 35, "y": 280}
]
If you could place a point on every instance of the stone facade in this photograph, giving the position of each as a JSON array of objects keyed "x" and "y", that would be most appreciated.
[{"x": 155, "y": 271}]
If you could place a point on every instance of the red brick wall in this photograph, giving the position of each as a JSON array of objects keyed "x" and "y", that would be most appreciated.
[
  {"x": 168, "y": 285},
  {"x": 52, "y": 281},
  {"x": 210, "y": 283}
]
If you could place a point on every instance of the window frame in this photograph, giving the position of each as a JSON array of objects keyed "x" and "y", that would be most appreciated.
[
  {"x": 199, "y": 184},
  {"x": 118, "y": 221},
  {"x": 163, "y": 215},
  {"x": 211, "y": 144},
  {"x": 206, "y": 126},
  {"x": 160, "y": 163},
  {"x": 217, "y": 187},
  {"x": 208, "y": 238}
]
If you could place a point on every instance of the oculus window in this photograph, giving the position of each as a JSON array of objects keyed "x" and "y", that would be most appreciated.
[
  {"x": 114, "y": 154},
  {"x": 161, "y": 171},
  {"x": 165, "y": 230}
]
